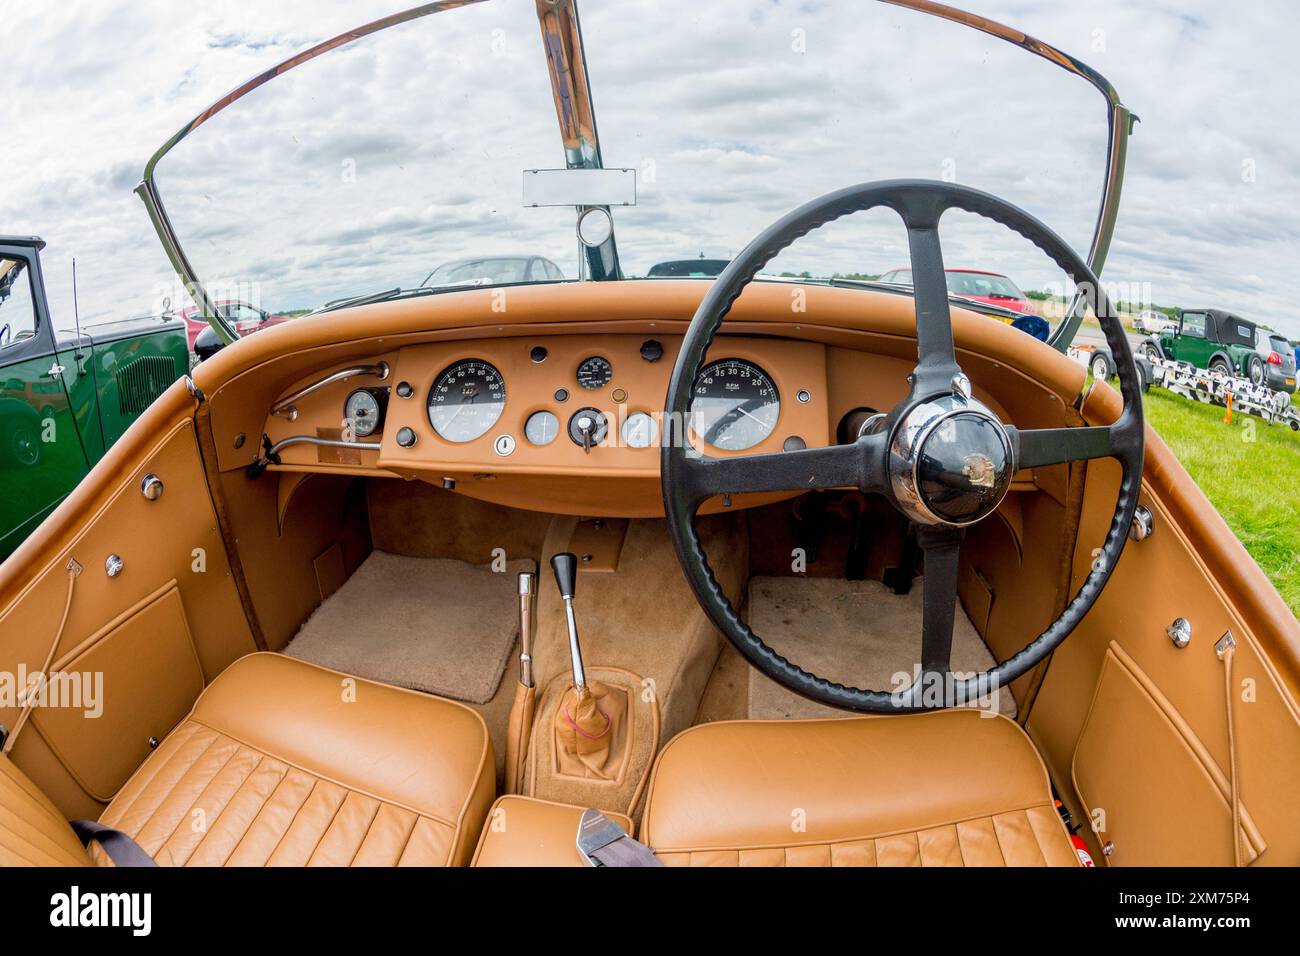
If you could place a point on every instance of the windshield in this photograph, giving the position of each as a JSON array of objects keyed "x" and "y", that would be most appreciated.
[{"x": 394, "y": 165}]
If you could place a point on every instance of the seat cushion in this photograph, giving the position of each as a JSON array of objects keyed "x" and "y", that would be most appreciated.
[
  {"x": 282, "y": 762},
  {"x": 525, "y": 831},
  {"x": 32, "y": 831},
  {"x": 947, "y": 788}
]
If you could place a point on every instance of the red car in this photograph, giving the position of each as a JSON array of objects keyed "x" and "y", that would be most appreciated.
[
  {"x": 991, "y": 288},
  {"x": 246, "y": 318}
]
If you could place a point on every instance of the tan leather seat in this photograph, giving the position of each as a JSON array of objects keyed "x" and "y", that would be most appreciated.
[
  {"x": 948, "y": 788},
  {"x": 282, "y": 762},
  {"x": 525, "y": 831}
]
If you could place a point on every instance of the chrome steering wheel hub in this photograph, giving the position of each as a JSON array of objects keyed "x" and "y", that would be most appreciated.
[{"x": 950, "y": 461}]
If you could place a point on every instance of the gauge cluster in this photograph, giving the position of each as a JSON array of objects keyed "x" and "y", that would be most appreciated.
[{"x": 578, "y": 407}]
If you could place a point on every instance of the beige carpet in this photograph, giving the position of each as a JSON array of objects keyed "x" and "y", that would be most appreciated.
[
  {"x": 431, "y": 624},
  {"x": 857, "y": 633}
]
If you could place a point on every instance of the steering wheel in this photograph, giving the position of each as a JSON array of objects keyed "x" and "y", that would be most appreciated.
[{"x": 941, "y": 457}]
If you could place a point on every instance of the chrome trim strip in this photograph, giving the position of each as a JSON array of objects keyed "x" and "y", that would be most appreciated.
[
  {"x": 147, "y": 189},
  {"x": 324, "y": 442},
  {"x": 285, "y": 405}
]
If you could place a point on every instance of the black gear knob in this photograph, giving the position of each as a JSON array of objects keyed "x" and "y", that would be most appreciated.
[{"x": 565, "y": 566}]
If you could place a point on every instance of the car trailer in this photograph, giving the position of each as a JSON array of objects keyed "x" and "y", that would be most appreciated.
[{"x": 1217, "y": 388}]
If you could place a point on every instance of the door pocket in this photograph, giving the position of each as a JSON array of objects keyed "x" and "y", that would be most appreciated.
[
  {"x": 134, "y": 679},
  {"x": 1144, "y": 776}
]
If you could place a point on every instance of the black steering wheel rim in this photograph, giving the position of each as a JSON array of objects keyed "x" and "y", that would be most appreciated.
[{"x": 689, "y": 478}]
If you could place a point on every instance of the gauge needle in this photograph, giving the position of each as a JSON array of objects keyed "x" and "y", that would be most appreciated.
[{"x": 748, "y": 415}]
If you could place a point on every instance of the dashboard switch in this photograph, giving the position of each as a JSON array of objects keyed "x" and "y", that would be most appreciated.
[
  {"x": 652, "y": 350},
  {"x": 588, "y": 427},
  {"x": 406, "y": 437}
]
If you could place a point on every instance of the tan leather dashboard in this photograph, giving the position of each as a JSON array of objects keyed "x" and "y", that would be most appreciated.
[{"x": 540, "y": 374}]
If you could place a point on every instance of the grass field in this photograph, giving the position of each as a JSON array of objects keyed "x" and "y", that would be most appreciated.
[{"x": 1250, "y": 471}]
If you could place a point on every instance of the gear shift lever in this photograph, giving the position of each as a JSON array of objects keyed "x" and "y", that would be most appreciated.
[{"x": 565, "y": 566}]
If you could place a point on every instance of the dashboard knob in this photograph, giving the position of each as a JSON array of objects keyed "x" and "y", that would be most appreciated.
[
  {"x": 406, "y": 437},
  {"x": 652, "y": 350},
  {"x": 404, "y": 390}
]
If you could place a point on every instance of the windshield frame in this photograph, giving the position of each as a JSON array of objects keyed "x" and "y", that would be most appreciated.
[{"x": 575, "y": 114}]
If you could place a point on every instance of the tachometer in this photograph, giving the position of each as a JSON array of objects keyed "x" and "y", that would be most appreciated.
[
  {"x": 735, "y": 405},
  {"x": 466, "y": 400}
]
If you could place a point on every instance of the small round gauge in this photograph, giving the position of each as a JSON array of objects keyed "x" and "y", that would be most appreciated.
[
  {"x": 466, "y": 400},
  {"x": 595, "y": 372},
  {"x": 734, "y": 405},
  {"x": 362, "y": 412},
  {"x": 542, "y": 428},
  {"x": 640, "y": 430}
]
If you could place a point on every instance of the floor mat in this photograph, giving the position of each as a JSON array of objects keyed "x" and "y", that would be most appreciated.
[
  {"x": 430, "y": 624},
  {"x": 857, "y": 633}
]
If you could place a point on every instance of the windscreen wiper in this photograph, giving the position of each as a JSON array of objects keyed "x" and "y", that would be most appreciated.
[{"x": 358, "y": 300}]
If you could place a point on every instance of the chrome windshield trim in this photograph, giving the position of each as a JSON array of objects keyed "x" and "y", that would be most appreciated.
[
  {"x": 571, "y": 86},
  {"x": 1120, "y": 122},
  {"x": 147, "y": 189},
  {"x": 566, "y": 64}
]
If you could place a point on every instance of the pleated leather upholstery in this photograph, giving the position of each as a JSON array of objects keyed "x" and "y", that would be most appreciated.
[
  {"x": 32, "y": 831},
  {"x": 284, "y": 763},
  {"x": 950, "y": 788}
]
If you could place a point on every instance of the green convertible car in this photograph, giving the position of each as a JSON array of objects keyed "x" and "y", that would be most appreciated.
[{"x": 66, "y": 396}]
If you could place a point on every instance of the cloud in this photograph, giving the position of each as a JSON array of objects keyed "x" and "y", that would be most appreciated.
[{"x": 367, "y": 168}]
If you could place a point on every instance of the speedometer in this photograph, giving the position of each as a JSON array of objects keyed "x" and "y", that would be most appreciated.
[
  {"x": 734, "y": 405},
  {"x": 466, "y": 400}
]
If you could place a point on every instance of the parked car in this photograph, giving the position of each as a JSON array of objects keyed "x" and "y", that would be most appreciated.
[
  {"x": 66, "y": 396},
  {"x": 1211, "y": 339},
  {"x": 494, "y": 270},
  {"x": 1279, "y": 361},
  {"x": 1150, "y": 322},
  {"x": 991, "y": 288},
  {"x": 246, "y": 318},
  {"x": 688, "y": 268}
]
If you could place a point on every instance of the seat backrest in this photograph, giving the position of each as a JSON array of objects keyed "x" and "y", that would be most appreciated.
[{"x": 32, "y": 831}]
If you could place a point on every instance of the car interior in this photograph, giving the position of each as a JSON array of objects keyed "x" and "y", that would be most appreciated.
[
  {"x": 633, "y": 572},
  {"x": 319, "y": 663}
]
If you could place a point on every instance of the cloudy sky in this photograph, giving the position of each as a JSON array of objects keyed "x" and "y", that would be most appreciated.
[{"x": 367, "y": 168}]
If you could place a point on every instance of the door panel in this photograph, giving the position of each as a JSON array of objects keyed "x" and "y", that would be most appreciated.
[
  {"x": 125, "y": 660},
  {"x": 1190, "y": 567},
  {"x": 1133, "y": 752},
  {"x": 172, "y": 539}
]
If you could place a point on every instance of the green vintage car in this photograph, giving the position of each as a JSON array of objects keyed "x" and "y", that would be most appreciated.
[
  {"x": 66, "y": 396},
  {"x": 1211, "y": 339}
]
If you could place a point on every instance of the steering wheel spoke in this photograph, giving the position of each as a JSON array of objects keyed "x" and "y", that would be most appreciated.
[
  {"x": 942, "y": 550},
  {"x": 1037, "y": 447},
  {"x": 857, "y": 465},
  {"x": 936, "y": 366}
]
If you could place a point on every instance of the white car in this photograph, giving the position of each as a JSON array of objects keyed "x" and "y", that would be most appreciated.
[{"x": 1149, "y": 322}]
